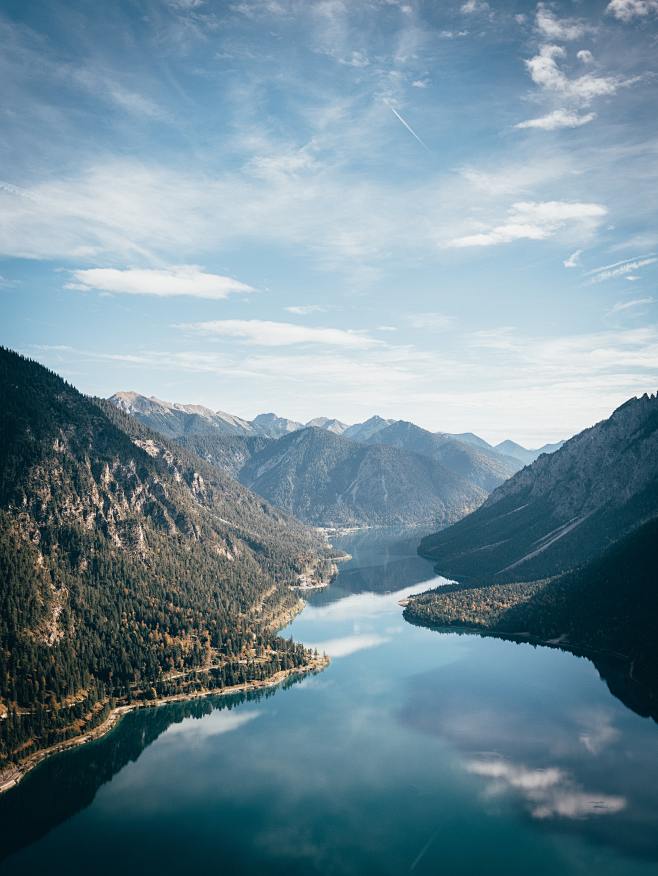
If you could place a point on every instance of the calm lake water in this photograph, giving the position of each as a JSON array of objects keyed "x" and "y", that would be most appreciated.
[{"x": 414, "y": 752}]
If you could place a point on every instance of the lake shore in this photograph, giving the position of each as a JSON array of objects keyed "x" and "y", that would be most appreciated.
[{"x": 11, "y": 776}]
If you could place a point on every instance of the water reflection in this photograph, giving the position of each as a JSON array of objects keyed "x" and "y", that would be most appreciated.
[
  {"x": 414, "y": 752},
  {"x": 68, "y": 782},
  {"x": 547, "y": 792},
  {"x": 538, "y": 735}
]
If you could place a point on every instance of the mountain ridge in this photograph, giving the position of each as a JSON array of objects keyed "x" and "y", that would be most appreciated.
[
  {"x": 130, "y": 569},
  {"x": 562, "y": 509}
]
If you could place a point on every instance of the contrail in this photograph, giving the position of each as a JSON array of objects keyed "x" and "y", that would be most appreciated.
[{"x": 409, "y": 128}]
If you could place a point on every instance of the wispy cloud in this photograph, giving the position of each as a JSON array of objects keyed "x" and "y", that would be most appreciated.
[
  {"x": 431, "y": 321},
  {"x": 559, "y": 118},
  {"x": 306, "y": 309},
  {"x": 472, "y": 7},
  {"x": 554, "y": 28},
  {"x": 265, "y": 333},
  {"x": 186, "y": 280},
  {"x": 620, "y": 306},
  {"x": 573, "y": 260},
  {"x": 534, "y": 221},
  {"x": 620, "y": 269}
]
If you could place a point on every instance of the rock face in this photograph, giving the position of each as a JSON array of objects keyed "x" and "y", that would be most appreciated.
[
  {"x": 328, "y": 480},
  {"x": 565, "y": 508},
  {"x": 173, "y": 420},
  {"x": 331, "y": 425},
  {"x": 273, "y": 426},
  {"x": 365, "y": 430},
  {"x": 128, "y": 566}
]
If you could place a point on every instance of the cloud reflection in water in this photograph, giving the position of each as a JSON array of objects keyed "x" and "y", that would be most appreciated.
[{"x": 548, "y": 793}]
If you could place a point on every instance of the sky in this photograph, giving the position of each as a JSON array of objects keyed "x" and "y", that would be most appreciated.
[{"x": 433, "y": 211}]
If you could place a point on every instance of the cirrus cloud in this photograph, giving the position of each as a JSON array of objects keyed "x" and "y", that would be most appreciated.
[{"x": 266, "y": 333}]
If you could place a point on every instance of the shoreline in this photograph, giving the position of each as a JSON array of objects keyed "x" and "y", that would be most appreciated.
[{"x": 11, "y": 776}]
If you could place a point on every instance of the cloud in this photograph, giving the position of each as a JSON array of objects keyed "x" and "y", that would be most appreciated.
[
  {"x": 305, "y": 309},
  {"x": 585, "y": 56},
  {"x": 474, "y": 6},
  {"x": 346, "y": 645},
  {"x": 558, "y": 28},
  {"x": 531, "y": 220},
  {"x": 216, "y": 724},
  {"x": 265, "y": 333},
  {"x": 547, "y": 793},
  {"x": 573, "y": 260},
  {"x": 539, "y": 387},
  {"x": 546, "y": 73},
  {"x": 431, "y": 320},
  {"x": 627, "y": 10},
  {"x": 177, "y": 280},
  {"x": 599, "y": 732},
  {"x": 628, "y": 305},
  {"x": 103, "y": 85},
  {"x": 559, "y": 118},
  {"x": 620, "y": 269}
]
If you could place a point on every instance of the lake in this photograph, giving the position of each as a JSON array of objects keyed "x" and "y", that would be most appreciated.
[{"x": 414, "y": 752}]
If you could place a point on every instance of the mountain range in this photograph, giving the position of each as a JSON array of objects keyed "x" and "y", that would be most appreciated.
[
  {"x": 174, "y": 420},
  {"x": 565, "y": 550},
  {"x": 380, "y": 472},
  {"x": 130, "y": 568}
]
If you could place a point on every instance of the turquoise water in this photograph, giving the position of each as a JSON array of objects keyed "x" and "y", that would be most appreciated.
[{"x": 414, "y": 752}]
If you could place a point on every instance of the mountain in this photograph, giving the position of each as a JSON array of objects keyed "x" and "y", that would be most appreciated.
[
  {"x": 230, "y": 453},
  {"x": 331, "y": 425},
  {"x": 564, "y": 509},
  {"x": 130, "y": 569},
  {"x": 479, "y": 465},
  {"x": 525, "y": 456},
  {"x": 273, "y": 426},
  {"x": 468, "y": 438},
  {"x": 608, "y": 605},
  {"x": 173, "y": 420},
  {"x": 328, "y": 480},
  {"x": 365, "y": 430}
]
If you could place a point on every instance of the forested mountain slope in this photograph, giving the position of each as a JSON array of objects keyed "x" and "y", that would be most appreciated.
[
  {"x": 479, "y": 465},
  {"x": 229, "y": 452},
  {"x": 329, "y": 480},
  {"x": 609, "y": 604},
  {"x": 564, "y": 509},
  {"x": 129, "y": 568}
]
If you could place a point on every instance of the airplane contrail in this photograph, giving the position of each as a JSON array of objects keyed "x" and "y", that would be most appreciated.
[{"x": 409, "y": 128}]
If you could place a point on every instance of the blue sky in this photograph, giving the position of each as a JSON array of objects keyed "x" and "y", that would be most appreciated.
[{"x": 440, "y": 212}]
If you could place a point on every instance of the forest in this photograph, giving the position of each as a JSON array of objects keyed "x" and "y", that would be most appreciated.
[{"x": 130, "y": 568}]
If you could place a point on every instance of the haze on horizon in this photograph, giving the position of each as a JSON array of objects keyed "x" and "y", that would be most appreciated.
[{"x": 444, "y": 213}]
